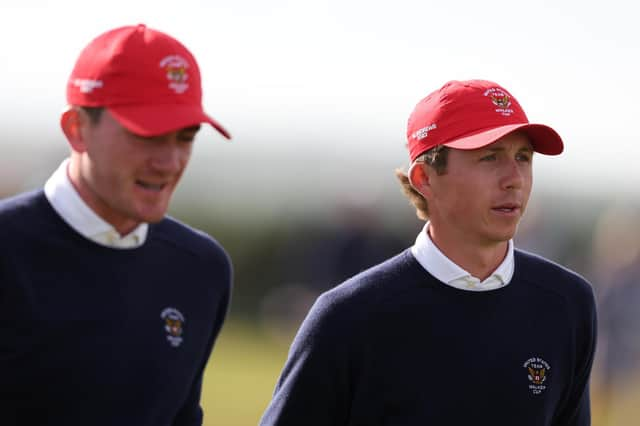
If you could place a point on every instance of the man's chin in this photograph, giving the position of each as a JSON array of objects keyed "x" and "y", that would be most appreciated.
[
  {"x": 153, "y": 218},
  {"x": 503, "y": 236},
  {"x": 152, "y": 215}
]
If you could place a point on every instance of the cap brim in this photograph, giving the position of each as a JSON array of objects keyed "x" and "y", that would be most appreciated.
[
  {"x": 158, "y": 119},
  {"x": 544, "y": 139}
]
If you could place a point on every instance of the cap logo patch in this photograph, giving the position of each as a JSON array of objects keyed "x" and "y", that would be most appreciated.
[
  {"x": 501, "y": 99},
  {"x": 537, "y": 373},
  {"x": 175, "y": 67},
  {"x": 173, "y": 325},
  {"x": 424, "y": 132},
  {"x": 86, "y": 85}
]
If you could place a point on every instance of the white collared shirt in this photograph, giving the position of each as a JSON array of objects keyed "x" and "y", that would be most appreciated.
[
  {"x": 71, "y": 207},
  {"x": 445, "y": 270}
]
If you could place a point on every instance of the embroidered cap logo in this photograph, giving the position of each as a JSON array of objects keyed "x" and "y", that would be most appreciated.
[
  {"x": 176, "y": 67},
  {"x": 501, "y": 99},
  {"x": 424, "y": 132},
  {"x": 87, "y": 85}
]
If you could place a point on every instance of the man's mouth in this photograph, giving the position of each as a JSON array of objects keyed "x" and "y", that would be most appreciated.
[
  {"x": 507, "y": 208},
  {"x": 149, "y": 186}
]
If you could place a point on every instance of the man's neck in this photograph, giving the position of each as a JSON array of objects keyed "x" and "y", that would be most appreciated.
[
  {"x": 122, "y": 226},
  {"x": 480, "y": 260}
]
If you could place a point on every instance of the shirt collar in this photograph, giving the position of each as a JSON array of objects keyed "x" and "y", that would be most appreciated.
[
  {"x": 71, "y": 207},
  {"x": 444, "y": 269}
]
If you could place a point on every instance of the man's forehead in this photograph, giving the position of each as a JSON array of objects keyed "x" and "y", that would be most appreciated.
[
  {"x": 185, "y": 131},
  {"x": 519, "y": 139}
]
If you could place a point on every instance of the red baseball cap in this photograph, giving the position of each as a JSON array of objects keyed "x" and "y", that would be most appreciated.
[
  {"x": 472, "y": 114},
  {"x": 148, "y": 80}
]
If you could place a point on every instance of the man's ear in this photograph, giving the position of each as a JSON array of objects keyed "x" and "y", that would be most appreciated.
[
  {"x": 419, "y": 178},
  {"x": 72, "y": 122}
]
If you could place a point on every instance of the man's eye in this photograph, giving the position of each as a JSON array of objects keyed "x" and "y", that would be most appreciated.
[
  {"x": 491, "y": 157},
  {"x": 524, "y": 157},
  {"x": 143, "y": 138}
]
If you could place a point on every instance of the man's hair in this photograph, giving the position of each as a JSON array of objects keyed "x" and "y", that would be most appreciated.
[
  {"x": 435, "y": 158},
  {"x": 94, "y": 113}
]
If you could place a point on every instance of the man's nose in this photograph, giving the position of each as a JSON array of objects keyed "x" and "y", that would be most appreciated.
[
  {"x": 513, "y": 177},
  {"x": 169, "y": 155}
]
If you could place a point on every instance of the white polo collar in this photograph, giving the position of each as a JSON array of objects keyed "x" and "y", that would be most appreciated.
[
  {"x": 71, "y": 207},
  {"x": 444, "y": 269}
]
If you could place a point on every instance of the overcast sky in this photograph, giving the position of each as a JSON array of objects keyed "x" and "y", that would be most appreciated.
[{"x": 320, "y": 91}]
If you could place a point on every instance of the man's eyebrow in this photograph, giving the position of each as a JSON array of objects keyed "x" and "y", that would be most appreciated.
[
  {"x": 191, "y": 128},
  {"x": 501, "y": 148},
  {"x": 189, "y": 131}
]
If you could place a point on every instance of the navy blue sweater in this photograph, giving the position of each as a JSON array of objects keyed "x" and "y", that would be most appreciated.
[
  {"x": 394, "y": 346},
  {"x": 91, "y": 335}
]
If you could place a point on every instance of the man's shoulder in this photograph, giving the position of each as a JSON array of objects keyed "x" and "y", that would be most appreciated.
[
  {"x": 19, "y": 203},
  {"x": 347, "y": 310},
  {"x": 18, "y": 209},
  {"x": 370, "y": 287},
  {"x": 551, "y": 275},
  {"x": 181, "y": 236}
]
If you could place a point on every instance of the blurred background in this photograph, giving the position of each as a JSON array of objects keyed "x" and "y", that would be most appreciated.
[{"x": 316, "y": 95}]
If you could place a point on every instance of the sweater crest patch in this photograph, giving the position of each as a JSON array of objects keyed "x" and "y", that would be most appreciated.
[
  {"x": 174, "y": 325},
  {"x": 538, "y": 374}
]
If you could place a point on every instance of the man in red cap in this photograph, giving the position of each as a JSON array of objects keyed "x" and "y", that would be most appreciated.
[
  {"x": 461, "y": 328},
  {"x": 110, "y": 308}
]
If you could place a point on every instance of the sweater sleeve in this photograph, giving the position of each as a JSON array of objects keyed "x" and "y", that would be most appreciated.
[
  {"x": 191, "y": 413},
  {"x": 577, "y": 409},
  {"x": 315, "y": 386}
]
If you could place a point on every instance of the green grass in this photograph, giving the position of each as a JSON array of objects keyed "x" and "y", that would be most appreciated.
[
  {"x": 246, "y": 363},
  {"x": 620, "y": 407},
  {"x": 241, "y": 376}
]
